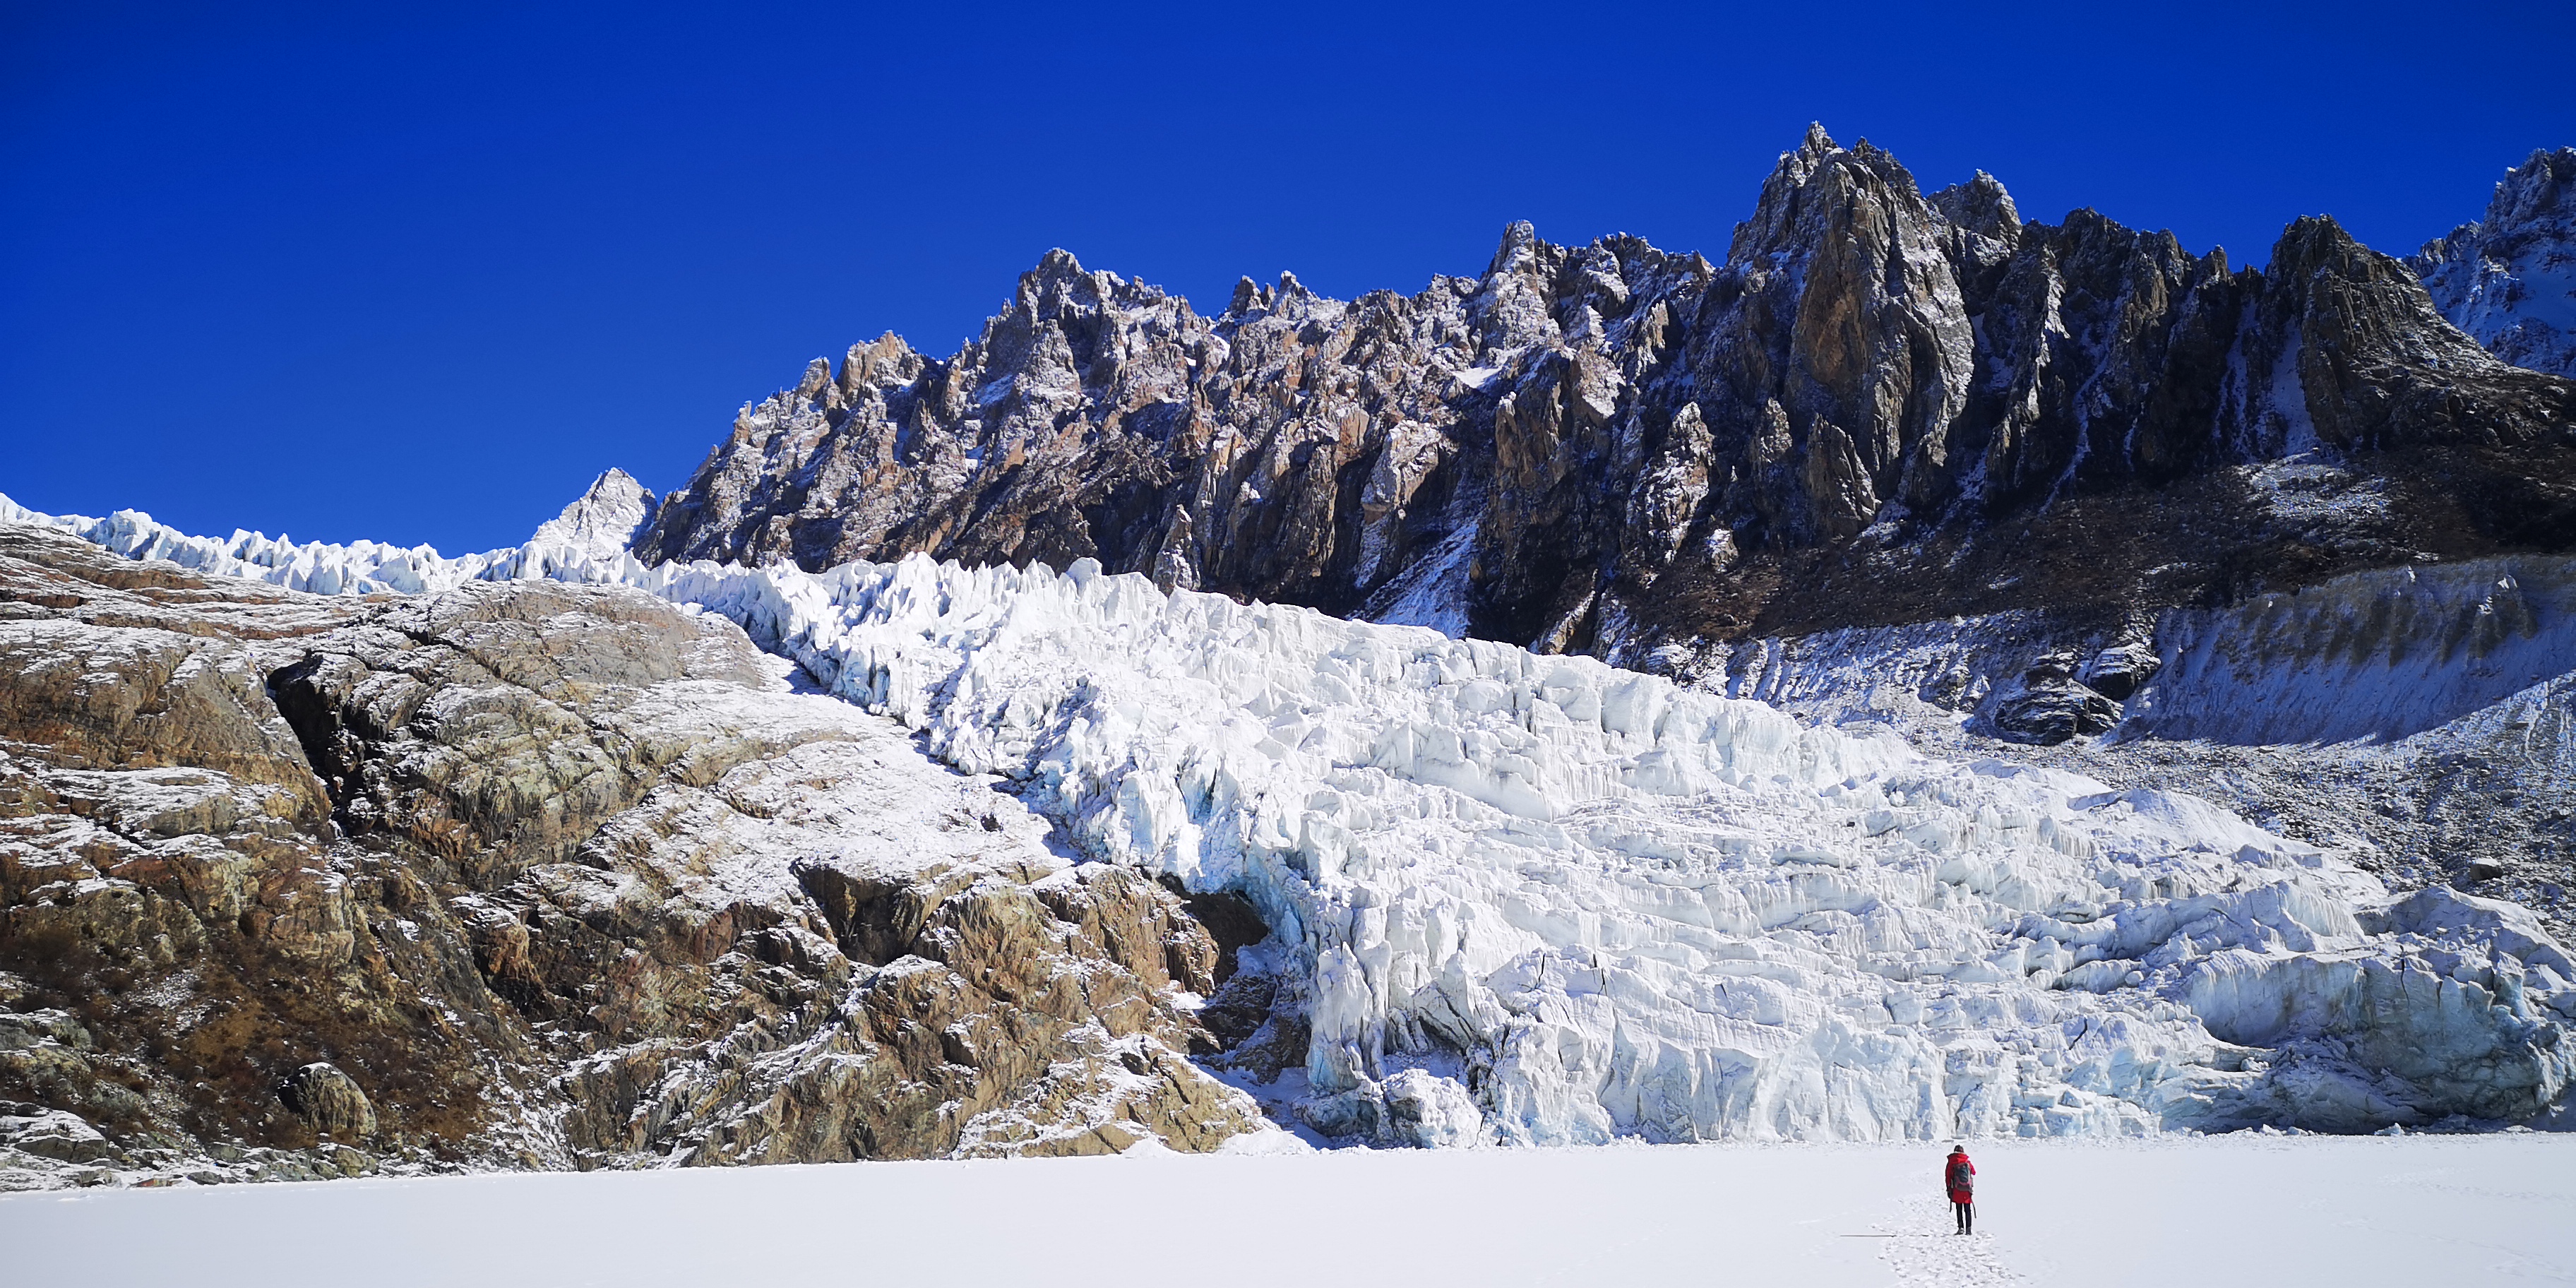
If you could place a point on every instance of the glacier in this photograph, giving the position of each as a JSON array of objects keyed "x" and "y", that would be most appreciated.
[
  {"x": 589, "y": 532},
  {"x": 1533, "y": 899}
]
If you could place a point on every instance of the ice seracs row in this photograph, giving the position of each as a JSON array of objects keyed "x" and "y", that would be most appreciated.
[{"x": 593, "y": 529}]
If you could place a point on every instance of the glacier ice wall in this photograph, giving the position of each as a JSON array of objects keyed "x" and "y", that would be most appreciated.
[
  {"x": 1586, "y": 903},
  {"x": 2379, "y": 654},
  {"x": 1619, "y": 907}
]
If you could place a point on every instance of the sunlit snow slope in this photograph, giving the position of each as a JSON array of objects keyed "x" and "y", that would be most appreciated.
[{"x": 1540, "y": 900}]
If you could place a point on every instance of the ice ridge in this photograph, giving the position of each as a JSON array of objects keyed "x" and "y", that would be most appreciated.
[{"x": 583, "y": 538}]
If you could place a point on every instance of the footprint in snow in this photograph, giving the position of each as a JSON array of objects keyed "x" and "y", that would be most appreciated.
[{"x": 1924, "y": 1252}]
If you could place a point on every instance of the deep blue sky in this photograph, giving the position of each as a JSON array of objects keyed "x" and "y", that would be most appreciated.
[{"x": 418, "y": 272}]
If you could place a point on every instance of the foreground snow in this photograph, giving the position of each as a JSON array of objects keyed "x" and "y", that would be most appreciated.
[
  {"x": 2263, "y": 1210},
  {"x": 1540, "y": 900}
]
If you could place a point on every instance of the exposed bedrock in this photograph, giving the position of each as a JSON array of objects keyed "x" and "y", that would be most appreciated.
[
  {"x": 1881, "y": 407},
  {"x": 528, "y": 874}
]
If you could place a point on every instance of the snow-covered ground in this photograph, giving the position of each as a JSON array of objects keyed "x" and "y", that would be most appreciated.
[{"x": 2353, "y": 1212}]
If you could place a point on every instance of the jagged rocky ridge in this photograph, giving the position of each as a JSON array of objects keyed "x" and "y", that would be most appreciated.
[
  {"x": 526, "y": 874},
  {"x": 1881, "y": 407},
  {"x": 2509, "y": 280}
]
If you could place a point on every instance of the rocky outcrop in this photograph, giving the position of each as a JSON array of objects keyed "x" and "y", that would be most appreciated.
[
  {"x": 330, "y": 1101},
  {"x": 1883, "y": 406},
  {"x": 528, "y": 874},
  {"x": 2510, "y": 279}
]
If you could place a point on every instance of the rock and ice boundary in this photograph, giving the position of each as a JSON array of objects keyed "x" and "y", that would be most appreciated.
[{"x": 1539, "y": 900}]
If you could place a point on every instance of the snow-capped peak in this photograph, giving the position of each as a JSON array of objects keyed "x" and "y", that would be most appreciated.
[
  {"x": 604, "y": 521},
  {"x": 2510, "y": 281}
]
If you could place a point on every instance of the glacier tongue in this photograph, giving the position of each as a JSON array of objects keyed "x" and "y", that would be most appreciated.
[
  {"x": 1586, "y": 903},
  {"x": 1614, "y": 906}
]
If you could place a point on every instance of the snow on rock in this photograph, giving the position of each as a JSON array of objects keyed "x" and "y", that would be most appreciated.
[
  {"x": 602, "y": 523},
  {"x": 2378, "y": 655},
  {"x": 2510, "y": 280},
  {"x": 1618, "y": 907}
]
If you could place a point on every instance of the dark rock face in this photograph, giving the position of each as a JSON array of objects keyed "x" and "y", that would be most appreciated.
[
  {"x": 2510, "y": 279},
  {"x": 1882, "y": 407},
  {"x": 2050, "y": 711},
  {"x": 527, "y": 874}
]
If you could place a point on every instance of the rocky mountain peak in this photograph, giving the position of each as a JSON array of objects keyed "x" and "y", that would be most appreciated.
[
  {"x": 2539, "y": 192},
  {"x": 2510, "y": 280},
  {"x": 1867, "y": 414},
  {"x": 1985, "y": 226},
  {"x": 1820, "y": 184},
  {"x": 880, "y": 364},
  {"x": 1520, "y": 242}
]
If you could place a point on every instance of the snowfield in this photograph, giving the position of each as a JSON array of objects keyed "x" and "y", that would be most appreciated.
[
  {"x": 1538, "y": 900},
  {"x": 2357, "y": 1212}
]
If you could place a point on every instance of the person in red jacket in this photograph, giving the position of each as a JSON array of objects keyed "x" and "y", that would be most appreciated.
[{"x": 1959, "y": 1177}]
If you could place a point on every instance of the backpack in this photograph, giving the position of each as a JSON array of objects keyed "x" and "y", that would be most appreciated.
[{"x": 1963, "y": 1179}]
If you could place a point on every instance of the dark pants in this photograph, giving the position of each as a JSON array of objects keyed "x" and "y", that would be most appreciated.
[{"x": 1967, "y": 1214}]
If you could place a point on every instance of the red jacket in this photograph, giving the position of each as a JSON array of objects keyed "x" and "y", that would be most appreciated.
[{"x": 1960, "y": 1176}]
